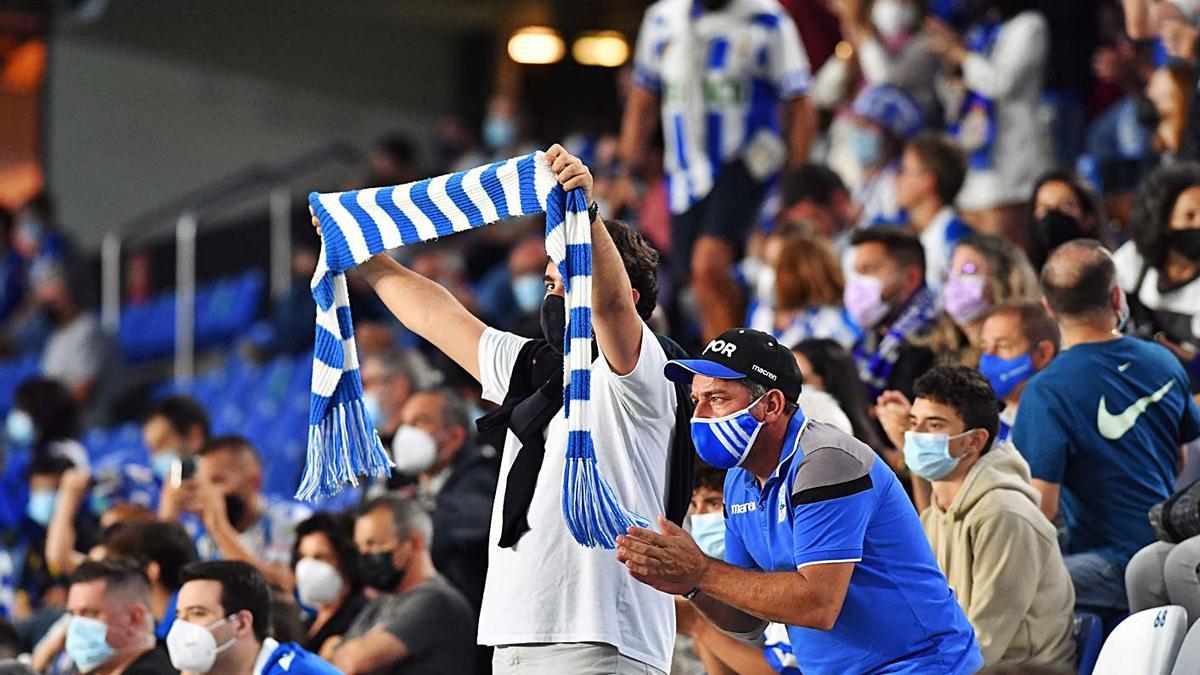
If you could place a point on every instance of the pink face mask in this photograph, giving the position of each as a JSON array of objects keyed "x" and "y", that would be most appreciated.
[
  {"x": 964, "y": 297},
  {"x": 864, "y": 300}
]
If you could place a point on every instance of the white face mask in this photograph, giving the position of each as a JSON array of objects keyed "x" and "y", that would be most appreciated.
[
  {"x": 193, "y": 648},
  {"x": 413, "y": 450},
  {"x": 317, "y": 582},
  {"x": 893, "y": 18}
]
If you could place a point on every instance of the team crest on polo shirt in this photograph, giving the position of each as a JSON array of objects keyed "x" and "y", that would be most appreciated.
[{"x": 783, "y": 504}]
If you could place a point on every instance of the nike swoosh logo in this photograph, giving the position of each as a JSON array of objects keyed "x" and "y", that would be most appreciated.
[
  {"x": 1113, "y": 427},
  {"x": 1123, "y": 367}
]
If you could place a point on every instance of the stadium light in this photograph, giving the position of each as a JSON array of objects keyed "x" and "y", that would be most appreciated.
[
  {"x": 536, "y": 45},
  {"x": 606, "y": 48}
]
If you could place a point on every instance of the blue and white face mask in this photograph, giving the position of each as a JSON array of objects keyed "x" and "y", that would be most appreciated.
[{"x": 725, "y": 441}]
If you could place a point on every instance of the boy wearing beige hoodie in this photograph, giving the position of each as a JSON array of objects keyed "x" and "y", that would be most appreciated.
[{"x": 999, "y": 553}]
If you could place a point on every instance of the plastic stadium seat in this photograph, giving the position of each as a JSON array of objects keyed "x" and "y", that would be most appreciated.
[
  {"x": 1188, "y": 660},
  {"x": 1146, "y": 643},
  {"x": 1089, "y": 637}
]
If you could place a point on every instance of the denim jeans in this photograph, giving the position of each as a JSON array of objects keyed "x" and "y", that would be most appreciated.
[{"x": 1099, "y": 583}]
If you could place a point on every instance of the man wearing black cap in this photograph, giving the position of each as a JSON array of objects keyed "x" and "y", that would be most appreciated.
[{"x": 819, "y": 535}]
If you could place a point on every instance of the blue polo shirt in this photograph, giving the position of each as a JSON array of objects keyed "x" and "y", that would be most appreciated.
[{"x": 830, "y": 500}]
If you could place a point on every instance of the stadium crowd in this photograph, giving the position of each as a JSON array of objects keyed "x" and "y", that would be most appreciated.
[{"x": 967, "y": 234}]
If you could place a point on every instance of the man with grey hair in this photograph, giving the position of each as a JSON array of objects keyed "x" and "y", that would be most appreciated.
[
  {"x": 389, "y": 377},
  {"x": 112, "y": 624},
  {"x": 421, "y": 623},
  {"x": 1102, "y": 426},
  {"x": 456, "y": 482}
]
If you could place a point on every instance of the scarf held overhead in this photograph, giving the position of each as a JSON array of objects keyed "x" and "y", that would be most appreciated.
[{"x": 355, "y": 225}]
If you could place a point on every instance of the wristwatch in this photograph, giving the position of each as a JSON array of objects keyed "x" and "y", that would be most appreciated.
[
  {"x": 593, "y": 212},
  {"x": 691, "y": 594}
]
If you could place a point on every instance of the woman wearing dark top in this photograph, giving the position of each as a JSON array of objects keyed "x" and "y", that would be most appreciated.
[{"x": 325, "y": 562}]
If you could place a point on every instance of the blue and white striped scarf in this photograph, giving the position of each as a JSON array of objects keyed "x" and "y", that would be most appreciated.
[
  {"x": 342, "y": 442},
  {"x": 875, "y": 362}
]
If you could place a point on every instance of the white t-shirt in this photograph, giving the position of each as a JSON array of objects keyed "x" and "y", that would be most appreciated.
[{"x": 549, "y": 588}]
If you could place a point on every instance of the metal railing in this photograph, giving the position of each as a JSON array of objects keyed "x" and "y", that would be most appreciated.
[{"x": 189, "y": 213}]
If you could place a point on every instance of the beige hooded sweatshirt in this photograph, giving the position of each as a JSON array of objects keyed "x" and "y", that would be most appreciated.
[{"x": 1001, "y": 557}]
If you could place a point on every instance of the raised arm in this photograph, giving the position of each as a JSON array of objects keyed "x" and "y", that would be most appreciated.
[
  {"x": 60, "y": 551},
  {"x": 615, "y": 319},
  {"x": 425, "y": 308}
]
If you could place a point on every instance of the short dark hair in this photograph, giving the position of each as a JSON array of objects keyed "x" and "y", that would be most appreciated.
[
  {"x": 1150, "y": 218},
  {"x": 967, "y": 391},
  {"x": 242, "y": 588},
  {"x": 230, "y": 442},
  {"x": 407, "y": 514},
  {"x": 641, "y": 263},
  {"x": 338, "y": 528},
  {"x": 118, "y": 574},
  {"x": 944, "y": 159},
  {"x": 901, "y": 245},
  {"x": 156, "y": 541},
  {"x": 50, "y": 405},
  {"x": 49, "y": 465},
  {"x": 183, "y": 413},
  {"x": 708, "y": 477},
  {"x": 814, "y": 183},
  {"x": 1089, "y": 204},
  {"x": 1078, "y": 278},
  {"x": 1036, "y": 324}
]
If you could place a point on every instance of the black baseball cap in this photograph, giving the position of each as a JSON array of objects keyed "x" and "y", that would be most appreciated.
[{"x": 743, "y": 353}]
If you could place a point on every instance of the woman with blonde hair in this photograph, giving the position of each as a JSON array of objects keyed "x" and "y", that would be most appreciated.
[
  {"x": 807, "y": 298},
  {"x": 985, "y": 271}
]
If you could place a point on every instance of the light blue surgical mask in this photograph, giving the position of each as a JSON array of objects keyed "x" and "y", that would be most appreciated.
[
  {"x": 725, "y": 441},
  {"x": 866, "y": 146},
  {"x": 499, "y": 131},
  {"x": 528, "y": 290},
  {"x": 708, "y": 530},
  {"x": 1006, "y": 374},
  {"x": 41, "y": 506},
  {"x": 87, "y": 643},
  {"x": 161, "y": 463},
  {"x": 927, "y": 454},
  {"x": 18, "y": 426},
  {"x": 373, "y": 408}
]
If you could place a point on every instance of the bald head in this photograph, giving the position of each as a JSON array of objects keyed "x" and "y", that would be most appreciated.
[{"x": 1078, "y": 280}]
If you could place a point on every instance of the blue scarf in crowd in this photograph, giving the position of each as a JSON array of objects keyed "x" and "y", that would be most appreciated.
[
  {"x": 355, "y": 225},
  {"x": 875, "y": 364}
]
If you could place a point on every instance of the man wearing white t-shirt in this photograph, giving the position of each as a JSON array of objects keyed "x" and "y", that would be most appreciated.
[{"x": 551, "y": 605}]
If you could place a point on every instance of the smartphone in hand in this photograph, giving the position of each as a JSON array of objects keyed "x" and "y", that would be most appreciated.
[{"x": 182, "y": 469}]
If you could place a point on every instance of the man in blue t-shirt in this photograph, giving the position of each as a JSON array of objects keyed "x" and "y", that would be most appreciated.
[
  {"x": 1102, "y": 425},
  {"x": 820, "y": 535}
]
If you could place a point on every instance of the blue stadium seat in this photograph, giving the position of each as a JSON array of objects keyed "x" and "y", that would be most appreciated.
[{"x": 1089, "y": 637}]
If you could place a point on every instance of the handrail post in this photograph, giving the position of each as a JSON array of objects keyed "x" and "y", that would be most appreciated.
[
  {"x": 185, "y": 297},
  {"x": 110, "y": 282},
  {"x": 281, "y": 240}
]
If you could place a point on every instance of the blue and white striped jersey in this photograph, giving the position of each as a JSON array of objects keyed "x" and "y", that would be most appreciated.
[{"x": 721, "y": 76}]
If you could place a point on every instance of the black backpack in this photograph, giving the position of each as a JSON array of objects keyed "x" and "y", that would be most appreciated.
[{"x": 1178, "y": 517}]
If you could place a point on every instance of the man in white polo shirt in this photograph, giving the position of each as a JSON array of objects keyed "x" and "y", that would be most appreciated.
[{"x": 551, "y": 605}]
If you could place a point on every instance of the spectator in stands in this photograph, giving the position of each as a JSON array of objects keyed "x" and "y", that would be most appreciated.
[
  {"x": 70, "y": 498},
  {"x": 717, "y": 651},
  {"x": 420, "y": 623},
  {"x": 1077, "y": 454},
  {"x": 325, "y": 561},
  {"x": 505, "y": 128},
  {"x": 887, "y": 297},
  {"x": 456, "y": 146},
  {"x": 37, "y": 237},
  {"x": 394, "y": 161},
  {"x": 883, "y": 120},
  {"x": 932, "y": 168},
  {"x": 288, "y": 330},
  {"x": 456, "y": 483},
  {"x": 389, "y": 378},
  {"x": 1063, "y": 208},
  {"x": 1018, "y": 341},
  {"x": 806, "y": 287},
  {"x": 726, "y": 146},
  {"x": 998, "y": 551},
  {"x": 985, "y": 271},
  {"x": 229, "y": 517},
  {"x": 12, "y": 269},
  {"x": 891, "y": 47},
  {"x": 77, "y": 348},
  {"x": 45, "y": 420},
  {"x": 224, "y": 625},
  {"x": 1170, "y": 90},
  {"x": 831, "y": 386},
  {"x": 511, "y": 294},
  {"x": 10, "y": 642},
  {"x": 162, "y": 549},
  {"x": 112, "y": 628},
  {"x": 998, "y": 124},
  {"x": 815, "y": 198},
  {"x": 41, "y": 583},
  {"x": 176, "y": 427},
  {"x": 1159, "y": 268}
]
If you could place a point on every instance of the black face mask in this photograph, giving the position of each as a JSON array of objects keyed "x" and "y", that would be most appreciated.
[
  {"x": 1145, "y": 113},
  {"x": 53, "y": 314},
  {"x": 378, "y": 571},
  {"x": 1186, "y": 243},
  {"x": 235, "y": 508},
  {"x": 553, "y": 316},
  {"x": 1057, "y": 228}
]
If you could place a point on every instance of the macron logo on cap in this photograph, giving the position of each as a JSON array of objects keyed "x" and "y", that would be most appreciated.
[
  {"x": 722, "y": 347},
  {"x": 756, "y": 368}
]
